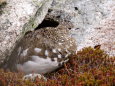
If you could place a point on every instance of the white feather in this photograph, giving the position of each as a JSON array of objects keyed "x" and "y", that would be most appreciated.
[
  {"x": 24, "y": 53},
  {"x": 37, "y": 50},
  {"x": 54, "y": 50},
  {"x": 38, "y": 65},
  {"x": 59, "y": 56},
  {"x": 46, "y": 52}
]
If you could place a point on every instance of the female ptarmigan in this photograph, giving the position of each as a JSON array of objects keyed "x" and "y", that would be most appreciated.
[{"x": 43, "y": 50}]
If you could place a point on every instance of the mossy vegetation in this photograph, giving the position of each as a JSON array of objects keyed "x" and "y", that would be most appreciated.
[{"x": 89, "y": 67}]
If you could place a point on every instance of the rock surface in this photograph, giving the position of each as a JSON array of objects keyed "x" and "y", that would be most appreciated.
[
  {"x": 94, "y": 21},
  {"x": 16, "y": 18}
]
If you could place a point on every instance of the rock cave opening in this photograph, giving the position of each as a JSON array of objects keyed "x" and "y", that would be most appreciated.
[{"x": 48, "y": 22}]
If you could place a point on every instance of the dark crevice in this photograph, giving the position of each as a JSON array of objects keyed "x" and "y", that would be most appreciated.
[
  {"x": 69, "y": 28},
  {"x": 77, "y": 28},
  {"x": 48, "y": 23},
  {"x": 28, "y": 32},
  {"x": 50, "y": 10},
  {"x": 97, "y": 46},
  {"x": 58, "y": 16},
  {"x": 76, "y": 8}
]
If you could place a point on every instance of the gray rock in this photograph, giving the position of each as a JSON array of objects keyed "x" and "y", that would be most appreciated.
[
  {"x": 94, "y": 21},
  {"x": 16, "y": 18}
]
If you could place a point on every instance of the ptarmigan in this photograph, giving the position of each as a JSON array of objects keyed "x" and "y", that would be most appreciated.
[{"x": 43, "y": 50}]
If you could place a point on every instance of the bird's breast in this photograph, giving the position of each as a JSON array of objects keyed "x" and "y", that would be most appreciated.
[
  {"x": 38, "y": 65},
  {"x": 41, "y": 60}
]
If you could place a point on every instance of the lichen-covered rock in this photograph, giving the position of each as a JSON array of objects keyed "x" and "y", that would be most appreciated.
[
  {"x": 94, "y": 21},
  {"x": 17, "y": 17}
]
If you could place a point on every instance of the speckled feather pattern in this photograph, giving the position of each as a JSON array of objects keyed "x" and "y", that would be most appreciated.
[{"x": 42, "y": 50}]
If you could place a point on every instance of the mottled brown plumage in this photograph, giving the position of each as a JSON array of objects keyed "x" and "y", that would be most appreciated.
[{"x": 46, "y": 49}]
